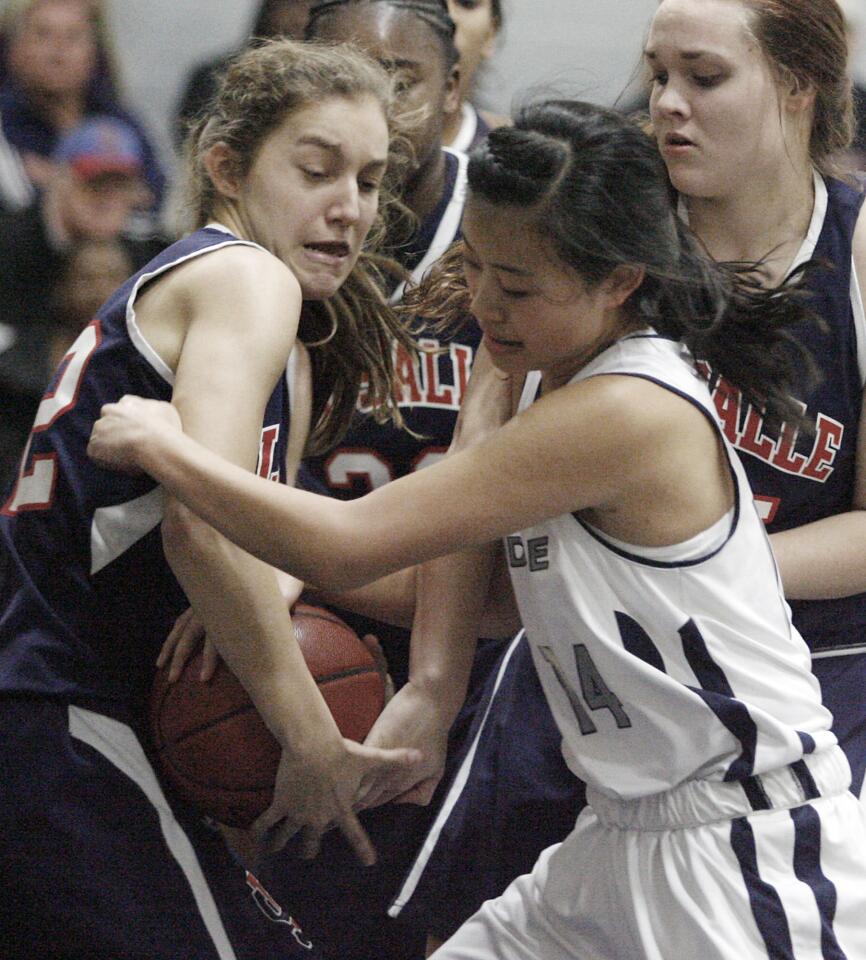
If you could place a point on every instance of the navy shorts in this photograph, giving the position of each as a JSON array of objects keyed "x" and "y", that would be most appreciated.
[
  {"x": 509, "y": 797},
  {"x": 97, "y": 865},
  {"x": 343, "y": 903},
  {"x": 843, "y": 692}
]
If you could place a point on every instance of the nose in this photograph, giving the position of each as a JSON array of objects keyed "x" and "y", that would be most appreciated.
[
  {"x": 485, "y": 304},
  {"x": 346, "y": 203},
  {"x": 669, "y": 100}
]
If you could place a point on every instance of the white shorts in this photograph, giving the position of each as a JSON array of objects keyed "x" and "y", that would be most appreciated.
[{"x": 694, "y": 873}]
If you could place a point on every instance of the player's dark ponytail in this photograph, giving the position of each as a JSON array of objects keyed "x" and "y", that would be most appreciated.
[{"x": 600, "y": 196}]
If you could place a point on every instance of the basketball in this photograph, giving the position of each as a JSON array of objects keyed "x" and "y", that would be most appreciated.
[{"x": 212, "y": 747}]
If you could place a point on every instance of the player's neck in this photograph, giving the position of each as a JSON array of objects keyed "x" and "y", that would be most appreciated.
[
  {"x": 761, "y": 222},
  {"x": 228, "y": 216},
  {"x": 424, "y": 186}
]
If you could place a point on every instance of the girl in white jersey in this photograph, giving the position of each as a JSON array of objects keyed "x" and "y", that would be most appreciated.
[
  {"x": 764, "y": 86},
  {"x": 719, "y": 822}
]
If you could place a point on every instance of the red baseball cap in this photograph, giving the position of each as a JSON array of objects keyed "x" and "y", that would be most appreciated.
[{"x": 101, "y": 145}]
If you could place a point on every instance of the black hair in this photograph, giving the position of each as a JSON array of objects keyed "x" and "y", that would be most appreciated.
[
  {"x": 432, "y": 12},
  {"x": 495, "y": 13},
  {"x": 599, "y": 192}
]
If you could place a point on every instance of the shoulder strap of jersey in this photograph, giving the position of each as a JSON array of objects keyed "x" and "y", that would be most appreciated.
[{"x": 447, "y": 230}]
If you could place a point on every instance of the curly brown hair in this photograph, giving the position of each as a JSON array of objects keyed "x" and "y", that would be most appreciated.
[{"x": 352, "y": 335}]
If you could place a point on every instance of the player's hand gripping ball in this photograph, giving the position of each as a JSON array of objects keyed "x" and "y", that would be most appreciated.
[{"x": 214, "y": 749}]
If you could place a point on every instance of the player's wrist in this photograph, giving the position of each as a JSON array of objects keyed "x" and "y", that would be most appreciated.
[{"x": 441, "y": 694}]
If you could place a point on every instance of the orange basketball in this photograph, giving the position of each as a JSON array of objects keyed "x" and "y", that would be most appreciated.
[{"x": 210, "y": 743}]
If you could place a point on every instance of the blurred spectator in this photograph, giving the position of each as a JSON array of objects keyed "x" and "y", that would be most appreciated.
[
  {"x": 52, "y": 271},
  {"x": 479, "y": 23},
  {"x": 93, "y": 270},
  {"x": 16, "y": 190},
  {"x": 274, "y": 18},
  {"x": 56, "y": 71},
  {"x": 855, "y": 20}
]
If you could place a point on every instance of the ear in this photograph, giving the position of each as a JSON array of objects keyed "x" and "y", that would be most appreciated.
[
  {"x": 488, "y": 48},
  {"x": 797, "y": 95},
  {"x": 221, "y": 164},
  {"x": 622, "y": 282},
  {"x": 451, "y": 103}
]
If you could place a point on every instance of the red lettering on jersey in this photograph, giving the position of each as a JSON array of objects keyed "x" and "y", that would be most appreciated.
[
  {"x": 727, "y": 400},
  {"x": 35, "y": 487},
  {"x": 767, "y": 507},
  {"x": 785, "y": 458},
  {"x": 462, "y": 358},
  {"x": 752, "y": 439},
  {"x": 266, "y": 467},
  {"x": 827, "y": 444},
  {"x": 436, "y": 394},
  {"x": 407, "y": 375},
  {"x": 256, "y": 887}
]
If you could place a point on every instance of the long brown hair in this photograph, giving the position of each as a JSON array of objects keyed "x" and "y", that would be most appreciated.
[
  {"x": 352, "y": 335},
  {"x": 805, "y": 41},
  {"x": 598, "y": 193}
]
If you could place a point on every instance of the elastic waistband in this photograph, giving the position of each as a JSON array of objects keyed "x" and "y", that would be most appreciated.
[{"x": 699, "y": 802}]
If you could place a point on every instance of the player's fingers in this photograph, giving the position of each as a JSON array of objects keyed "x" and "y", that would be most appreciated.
[
  {"x": 421, "y": 794},
  {"x": 391, "y": 758},
  {"x": 275, "y": 831},
  {"x": 357, "y": 837},
  {"x": 168, "y": 645},
  {"x": 209, "y": 660},
  {"x": 191, "y": 636},
  {"x": 311, "y": 842}
]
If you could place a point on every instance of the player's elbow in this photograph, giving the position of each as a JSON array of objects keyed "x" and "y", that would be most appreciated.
[{"x": 185, "y": 535}]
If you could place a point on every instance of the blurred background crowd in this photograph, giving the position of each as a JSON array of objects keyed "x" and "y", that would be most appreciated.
[{"x": 95, "y": 96}]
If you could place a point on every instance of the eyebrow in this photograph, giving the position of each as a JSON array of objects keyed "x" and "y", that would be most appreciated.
[
  {"x": 398, "y": 64},
  {"x": 328, "y": 145},
  {"x": 507, "y": 268},
  {"x": 684, "y": 55},
  {"x": 313, "y": 141}
]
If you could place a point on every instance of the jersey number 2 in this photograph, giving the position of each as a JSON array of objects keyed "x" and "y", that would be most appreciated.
[{"x": 34, "y": 489}]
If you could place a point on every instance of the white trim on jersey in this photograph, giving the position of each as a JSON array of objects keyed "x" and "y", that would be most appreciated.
[
  {"x": 859, "y": 312},
  {"x": 816, "y": 224},
  {"x": 447, "y": 229},
  {"x": 115, "y": 529},
  {"x": 850, "y": 651},
  {"x": 119, "y": 745},
  {"x": 468, "y": 128},
  {"x": 807, "y": 250},
  {"x": 450, "y": 802},
  {"x": 135, "y": 335}
]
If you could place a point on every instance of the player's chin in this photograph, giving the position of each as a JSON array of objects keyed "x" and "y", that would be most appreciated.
[{"x": 322, "y": 284}]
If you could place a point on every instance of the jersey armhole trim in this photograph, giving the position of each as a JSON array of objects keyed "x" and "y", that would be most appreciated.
[
  {"x": 859, "y": 314},
  {"x": 734, "y": 512},
  {"x": 135, "y": 335}
]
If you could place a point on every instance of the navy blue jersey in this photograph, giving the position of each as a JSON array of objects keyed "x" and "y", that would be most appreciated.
[
  {"x": 801, "y": 479},
  {"x": 473, "y": 129},
  {"x": 372, "y": 454},
  {"x": 86, "y": 595}
]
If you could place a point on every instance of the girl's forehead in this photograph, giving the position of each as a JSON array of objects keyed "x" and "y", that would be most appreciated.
[{"x": 725, "y": 22}]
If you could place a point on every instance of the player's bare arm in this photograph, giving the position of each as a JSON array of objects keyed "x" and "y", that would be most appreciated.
[
  {"x": 509, "y": 481},
  {"x": 238, "y": 334},
  {"x": 827, "y": 558}
]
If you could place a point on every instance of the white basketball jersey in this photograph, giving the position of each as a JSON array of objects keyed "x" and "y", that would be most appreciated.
[{"x": 667, "y": 664}]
